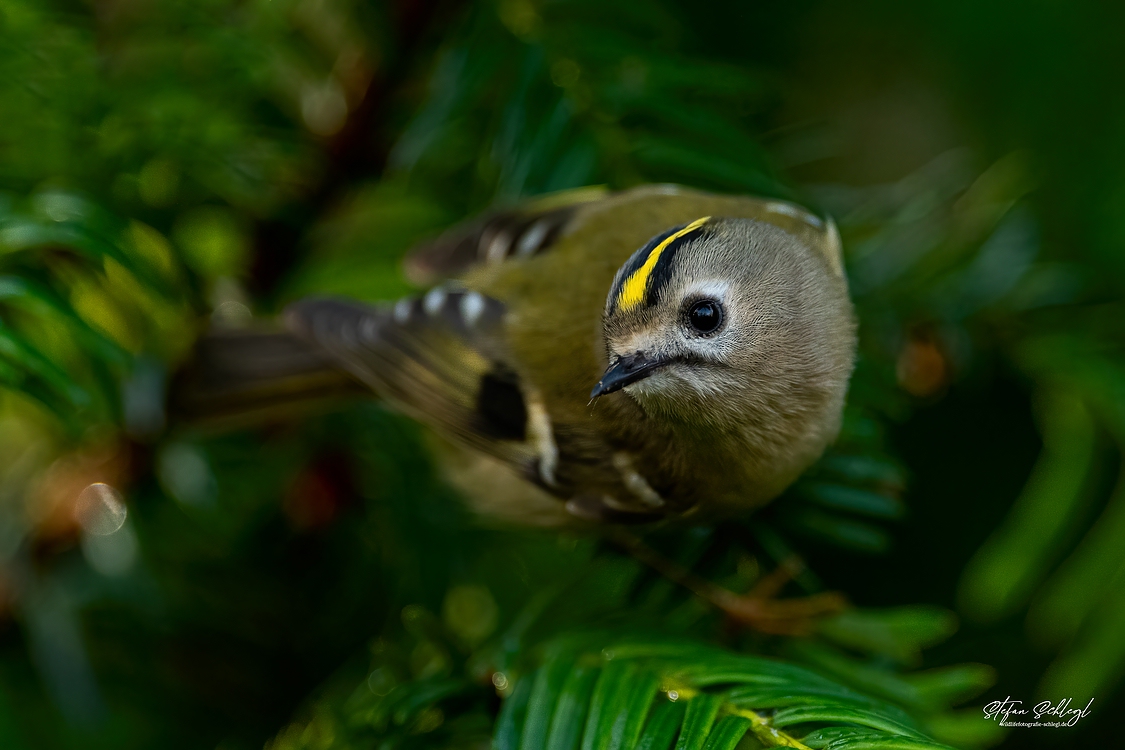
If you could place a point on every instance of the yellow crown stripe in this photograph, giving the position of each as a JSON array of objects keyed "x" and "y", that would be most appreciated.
[{"x": 633, "y": 290}]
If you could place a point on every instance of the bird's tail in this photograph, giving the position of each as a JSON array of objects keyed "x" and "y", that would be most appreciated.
[{"x": 245, "y": 376}]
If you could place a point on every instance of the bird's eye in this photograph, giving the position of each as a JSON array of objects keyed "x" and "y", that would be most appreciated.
[{"x": 705, "y": 316}]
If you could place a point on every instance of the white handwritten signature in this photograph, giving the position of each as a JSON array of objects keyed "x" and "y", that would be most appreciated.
[{"x": 1046, "y": 714}]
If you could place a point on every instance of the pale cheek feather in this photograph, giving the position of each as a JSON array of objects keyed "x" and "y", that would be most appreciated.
[{"x": 675, "y": 384}]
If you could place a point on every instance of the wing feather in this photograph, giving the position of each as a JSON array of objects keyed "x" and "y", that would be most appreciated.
[
  {"x": 519, "y": 232},
  {"x": 438, "y": 357}
]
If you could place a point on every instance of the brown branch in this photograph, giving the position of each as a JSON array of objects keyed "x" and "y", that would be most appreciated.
[{"x": 757, "y": 609}]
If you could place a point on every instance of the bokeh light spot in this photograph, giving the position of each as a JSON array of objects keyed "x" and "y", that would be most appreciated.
[
  {"x": 381, "y": 681},
  {"x": 185, "y": 474},
  {"x": 111, "y": 555},
  {"x": 212, "y": 241},
  {"x": 470, "y": 612},
  {"x": 324, "y": 108},
  {"x": 100, "y": 511},
  {"x": 158, "y": 182}
]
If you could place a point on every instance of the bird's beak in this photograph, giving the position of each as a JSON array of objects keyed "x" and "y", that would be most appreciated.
[{"x": 626, "y": 370}]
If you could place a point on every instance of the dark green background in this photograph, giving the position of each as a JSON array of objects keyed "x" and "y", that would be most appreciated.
[{"x": 929, "y": 130}]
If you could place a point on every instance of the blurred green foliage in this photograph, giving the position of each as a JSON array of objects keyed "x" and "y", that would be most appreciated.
[{"x": 312, "y": 584}]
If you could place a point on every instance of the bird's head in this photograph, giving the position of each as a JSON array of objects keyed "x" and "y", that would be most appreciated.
[{"x": 732, "y": 324}]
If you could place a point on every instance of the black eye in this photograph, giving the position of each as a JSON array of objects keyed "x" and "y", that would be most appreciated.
[{"x": 706, "y": 316}]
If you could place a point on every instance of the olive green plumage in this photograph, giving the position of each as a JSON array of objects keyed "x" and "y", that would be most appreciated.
[{"x": 715, "y": 332}]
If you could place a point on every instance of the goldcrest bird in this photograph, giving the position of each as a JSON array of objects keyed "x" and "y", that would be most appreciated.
[{"x": 602, "y": 357}]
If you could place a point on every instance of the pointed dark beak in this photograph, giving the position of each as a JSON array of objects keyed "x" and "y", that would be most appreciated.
[{"x": 624, "y": 371}]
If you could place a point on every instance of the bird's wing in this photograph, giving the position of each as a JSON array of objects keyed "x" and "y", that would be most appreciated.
[
  {"x": 521, "y": 231},
  {"x": 441, "y": 359},
  {"x": 438, "y": 357}
]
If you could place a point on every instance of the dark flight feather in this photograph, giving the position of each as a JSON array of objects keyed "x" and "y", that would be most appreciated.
[
  {"x": 519, "y": 232},
  {"x": 438, "y": 357}
]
